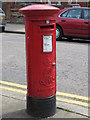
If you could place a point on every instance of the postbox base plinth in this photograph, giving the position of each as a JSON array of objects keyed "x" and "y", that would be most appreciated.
[{"x": 42, "y": 108}]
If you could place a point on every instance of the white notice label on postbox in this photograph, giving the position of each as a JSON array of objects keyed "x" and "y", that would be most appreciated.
[{"x": 47, "y": 43}]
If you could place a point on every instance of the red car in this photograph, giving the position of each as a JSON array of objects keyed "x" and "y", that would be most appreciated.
[{"x": 73, "y": 22}]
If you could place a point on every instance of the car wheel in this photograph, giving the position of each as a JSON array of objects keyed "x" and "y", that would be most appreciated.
[
  {"x": 3, "y": 29},
  {"x": 58, "y": 33},
  {"x": 0, "y": 29}
]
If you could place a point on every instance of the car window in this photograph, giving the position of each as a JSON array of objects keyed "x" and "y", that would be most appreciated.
[
  {"x": 87, "y": 14},
  {"x": 64, "y": 14},
  {"x": 1, "y": 11},
  {"x": 74, "y": 13}
]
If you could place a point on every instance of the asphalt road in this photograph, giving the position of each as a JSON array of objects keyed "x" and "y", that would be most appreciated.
[{"x": 72, "y": 63}]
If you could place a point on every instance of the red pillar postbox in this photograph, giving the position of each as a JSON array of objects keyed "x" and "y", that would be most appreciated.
[{"x": 40, "y": 28}]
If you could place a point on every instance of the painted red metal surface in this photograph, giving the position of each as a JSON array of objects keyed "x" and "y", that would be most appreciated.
[
  {"x": 41, "y": 62},
  {"x": 39, "y": 12}
]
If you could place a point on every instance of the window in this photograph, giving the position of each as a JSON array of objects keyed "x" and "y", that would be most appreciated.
[
  {"x": 64, "y": 14},
  {"x": 87, "y": 14},
  {"x": 1, "y": 11},
  {"x": 74, "y": 13}
]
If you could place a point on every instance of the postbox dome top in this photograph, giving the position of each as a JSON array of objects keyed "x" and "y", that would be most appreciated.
[{"x": 39, "y": 9}]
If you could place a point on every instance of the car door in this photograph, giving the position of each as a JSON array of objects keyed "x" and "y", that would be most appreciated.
[
  {"x": 2, "y": 17},
  {"x": 86, "y": 23},
  {"x": 72, "y": 22}
]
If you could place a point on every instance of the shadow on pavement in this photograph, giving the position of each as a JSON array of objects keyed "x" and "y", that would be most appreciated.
[
  {"x": 75, "y": 40},
  {"x": 18, "y": 114}
]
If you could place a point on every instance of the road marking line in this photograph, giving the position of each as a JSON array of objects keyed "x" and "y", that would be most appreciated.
[
  {"x": 13, "y": 84},
  {"x": 57, "y": 98},
  {"x": 13, "y": 89},
  {"x": 58, "y": 93},
  {"x": 73, "y": 96},
  {"x": 73, "y": 102}
]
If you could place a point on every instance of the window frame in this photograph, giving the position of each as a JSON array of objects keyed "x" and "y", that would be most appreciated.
[
  {"x": 63, "y": 13},
  {"x": 1, "y": 11},
  {"x": 83, "y": 13}
]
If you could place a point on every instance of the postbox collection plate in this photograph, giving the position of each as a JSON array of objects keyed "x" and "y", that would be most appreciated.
[{"x": 47, "y": 43}]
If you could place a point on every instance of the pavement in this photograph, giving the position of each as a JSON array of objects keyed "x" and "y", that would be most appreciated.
[
  {"x": 16, "y": 108},
  {"x": 14, "y": 105}
]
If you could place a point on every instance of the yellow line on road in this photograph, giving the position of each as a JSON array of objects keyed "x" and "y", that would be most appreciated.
[
  {"x": 13, "y": 89},
  {"x": 73, "y": 102},
  {"x": 73, "y": 96},
  {"x": 13, "y": 84},
  {"x": 57, "y": 98},
  {"x": 58, "y": 93}
]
